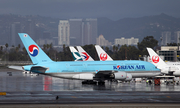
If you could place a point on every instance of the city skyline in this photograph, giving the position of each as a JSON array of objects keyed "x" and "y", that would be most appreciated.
[{"x": 45, "y": 30}]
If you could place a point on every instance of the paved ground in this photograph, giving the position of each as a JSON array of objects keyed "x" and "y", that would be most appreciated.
[
  {"x": 19, "y": 81},
  {"x": 121, "y": 105},
  {"x": 25, "y": 89},
  {"x": 89, "y": 97}
]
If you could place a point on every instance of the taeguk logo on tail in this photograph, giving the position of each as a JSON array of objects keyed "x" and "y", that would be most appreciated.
[{"x": 33, "y": 50}]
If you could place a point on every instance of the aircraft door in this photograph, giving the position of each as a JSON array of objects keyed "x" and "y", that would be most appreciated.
[
  {"x": 85, "y": 66},
  {"x": 67, "y": 66}
]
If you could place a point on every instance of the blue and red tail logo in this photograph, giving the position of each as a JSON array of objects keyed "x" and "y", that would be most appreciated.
[
  {"x": 85, "y": 56},
  {"x": 33, "y": 50}
]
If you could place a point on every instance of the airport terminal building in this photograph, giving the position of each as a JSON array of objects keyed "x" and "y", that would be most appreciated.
[{"x": 170, "y": 53}]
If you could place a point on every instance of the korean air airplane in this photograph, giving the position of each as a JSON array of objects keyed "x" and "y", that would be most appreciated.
[
  {"x": 172, "y": 68},
  {"x": 103, "y": 56},
  {"x": 86, "y": 70}
]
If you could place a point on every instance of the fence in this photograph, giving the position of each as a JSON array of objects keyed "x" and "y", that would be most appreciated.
[{"x": 15, "y": 62}]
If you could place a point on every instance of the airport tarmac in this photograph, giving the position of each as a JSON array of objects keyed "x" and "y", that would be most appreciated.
[
  {"x": 23, "y": 88},
  {"x": 26, "y": 82}
]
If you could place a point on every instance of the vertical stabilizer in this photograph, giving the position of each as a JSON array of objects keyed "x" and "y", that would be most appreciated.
[
  {"x": 156, "y": 60},
  {"x": 75, "y": 53},
  {"x": 84, "y": 55},
  {"x": 103, "y": 56},
  {"x": 36, "y": 54}
]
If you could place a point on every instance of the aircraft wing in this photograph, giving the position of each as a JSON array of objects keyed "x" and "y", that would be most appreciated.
[{"x": 16, "y": 67}]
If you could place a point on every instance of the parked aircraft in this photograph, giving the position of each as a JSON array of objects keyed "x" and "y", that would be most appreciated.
[
  {"x": 80, "y": 55},
  {"x": 103, "y": 56},
  {"x": 75, "y": 54},
  {"x": 172, "y": 68},
  {"x": 135, "y": 74},
  {"x": 85, "y": 56},
  {"x": 86, "y": 70}
]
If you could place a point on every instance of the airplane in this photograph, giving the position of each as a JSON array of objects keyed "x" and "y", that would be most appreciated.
[
  {"x": 75, "y": 54},
  {"x": 80, "y": 55},
  {"x": 84, "y": 54},
  {"x": 100, "y": 50},
  {"x": 86, "y": 70},
  {"x": 171, "y": 68},
  {"x": 103, "y": 56}
]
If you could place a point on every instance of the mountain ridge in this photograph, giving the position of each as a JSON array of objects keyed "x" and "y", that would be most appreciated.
[{"x": 140, "y": 27}]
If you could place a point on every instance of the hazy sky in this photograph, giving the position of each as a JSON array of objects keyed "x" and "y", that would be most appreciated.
[{"x": 113, "y": 9}]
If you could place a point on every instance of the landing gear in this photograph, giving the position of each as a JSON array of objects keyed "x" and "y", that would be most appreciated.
[
  {"x": 101, "y": 83},
  {"x": 93, "y": 82},
  {"x": 89, "y": 82}
]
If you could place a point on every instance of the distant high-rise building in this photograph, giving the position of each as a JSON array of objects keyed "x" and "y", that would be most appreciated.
[
  {"x": 63, "y": 32},
  {"x": 45, "y": 39},
  {"x": 89, "y": 31},
  {"x": 30, "y": 29},
  {"x": 83, "y": 32},
  {"x": 177, "y": 37},
  {"x": 102, "y": 41},
  {"x": 75, "y": 31},
  {"x": 128, "y": 41},
  {"x": 15, "y": 29},
  {"x": 166, "y": 37}
]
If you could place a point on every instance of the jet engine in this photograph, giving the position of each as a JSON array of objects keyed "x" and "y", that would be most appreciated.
[
  {"x": 120, "y": 75},
  {"x": 176, "y": 73},
  {"x": 129, "y": 77}
]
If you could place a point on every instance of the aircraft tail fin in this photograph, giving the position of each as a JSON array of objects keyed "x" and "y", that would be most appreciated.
[
  {"x": 84, "y": 55},
  {"x": 75, "y": 53},
  {"x": 156, "y": 60},
  {"x": 103, "y": 56},
  {"x": 36, "y": 54}
]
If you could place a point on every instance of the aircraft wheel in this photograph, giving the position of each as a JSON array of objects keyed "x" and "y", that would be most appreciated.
[
  {"x": 89, "y": 82},
  {"x": 101, "y": 83}
]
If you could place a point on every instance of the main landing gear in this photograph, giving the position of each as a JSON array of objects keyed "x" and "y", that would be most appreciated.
[
  {"x": 89, "y": 82},
  {"x": 93, "y": 82},
  {"x": 101, "y": 83}
]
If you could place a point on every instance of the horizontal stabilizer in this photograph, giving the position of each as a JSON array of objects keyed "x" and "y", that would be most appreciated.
[{"x": 15, "y": 67}]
